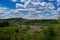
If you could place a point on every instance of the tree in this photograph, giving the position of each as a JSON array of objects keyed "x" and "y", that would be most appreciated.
[{"x": 48, "y": 34}]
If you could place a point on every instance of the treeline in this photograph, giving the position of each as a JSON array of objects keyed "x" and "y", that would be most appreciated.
[{"x": 20, "y": 21}]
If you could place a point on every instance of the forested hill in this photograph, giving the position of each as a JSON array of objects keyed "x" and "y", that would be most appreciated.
[{"x": 22, "y": 21}]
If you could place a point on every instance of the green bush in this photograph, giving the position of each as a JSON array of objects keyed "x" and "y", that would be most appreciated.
[
  {"x": 48, "y": 34},
  {"x": 26, "y": 33},
  {"x": 4, "y": 24}
]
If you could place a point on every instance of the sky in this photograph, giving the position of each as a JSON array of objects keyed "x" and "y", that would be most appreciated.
[{"x": 29, "y": 9}]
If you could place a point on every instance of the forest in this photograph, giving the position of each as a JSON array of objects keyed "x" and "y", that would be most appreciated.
[{"x": 9, "y": 29}]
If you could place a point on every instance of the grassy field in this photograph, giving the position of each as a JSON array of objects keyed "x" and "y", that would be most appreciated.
[
  {"x": 10, "y": 31},
  {"x": 26, "y": 33}
]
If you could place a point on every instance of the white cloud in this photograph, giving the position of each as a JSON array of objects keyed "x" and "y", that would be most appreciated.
[
  {"x": 24, "y": 6},
  {"x": 50, "y": 6},
  {"x": 58, "y": 3},
  {"x": 19, "y": 5},
  {"x": 43, "y": 3},
  {"x": 24, "y": 0},
  {"x": 35, "y": 5},
  {"x": 58, "y": 0},
  {"x": 58, "y": 9},
  {"x": 54, "y": 12},
  {"x": 30, "y": 10},
  {"x": 31, "y": 15},
  {"x": 2, "y": 9}
]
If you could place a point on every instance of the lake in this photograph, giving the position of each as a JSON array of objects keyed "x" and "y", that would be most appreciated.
[{"x": 33, "y": 26}]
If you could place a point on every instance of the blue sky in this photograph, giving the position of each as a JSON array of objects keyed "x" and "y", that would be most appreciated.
[
  {"x": 22, "y": 8},
  {"x": 7, "y": 3},
  {"x": 10, "y": 4}
]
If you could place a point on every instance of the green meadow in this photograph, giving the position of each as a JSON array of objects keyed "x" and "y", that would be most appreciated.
[{"x": 9, "y": 29}]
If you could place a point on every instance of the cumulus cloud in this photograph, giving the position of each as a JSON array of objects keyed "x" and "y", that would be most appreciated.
[
  {"x": 31, "y": 10},
  {"x": 24, "y": 0},
  {"x": 35, "y": 5},
  {"x": 3, "y": 9},
  {"x": 58, "y": 2},
  {"x": 58, "y": 9},
  {"x": 19, "y": 5},
  {"x": 24, "y": 6}
]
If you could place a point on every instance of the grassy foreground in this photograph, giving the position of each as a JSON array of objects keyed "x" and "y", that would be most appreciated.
[
  {"x": 26, "y": 33},
  {"x": 10, "y": 31}
]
